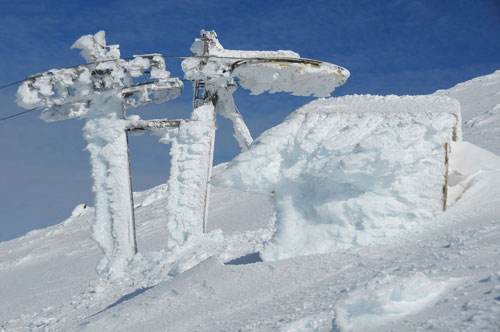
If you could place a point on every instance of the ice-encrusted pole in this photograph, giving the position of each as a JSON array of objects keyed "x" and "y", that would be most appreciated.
[
  {"x": 105, "y": 133},
  {"x": 99, "y": 91},
  {"x": 192, "y": 147},
  {"x": 191, "y": 165}
]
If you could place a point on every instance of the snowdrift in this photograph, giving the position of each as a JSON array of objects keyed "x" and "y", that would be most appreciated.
[{"x": 350, "y": 171}]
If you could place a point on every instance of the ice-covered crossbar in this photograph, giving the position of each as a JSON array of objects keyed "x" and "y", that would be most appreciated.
[{"x": 350, "y": 171}]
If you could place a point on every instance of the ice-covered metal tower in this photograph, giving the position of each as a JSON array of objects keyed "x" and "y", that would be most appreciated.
[{"x": 100, "y": 92}]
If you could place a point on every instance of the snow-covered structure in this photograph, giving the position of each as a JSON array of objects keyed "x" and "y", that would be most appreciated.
[
  {"x": 348, "y": 171},
  {"x": 100, "y": 91},
  {"x": 257, "y": 71}
]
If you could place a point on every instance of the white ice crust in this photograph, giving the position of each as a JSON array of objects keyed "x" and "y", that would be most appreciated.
[
  {"x": 216, "y": 67},
  {"x": 300, "y": 79},
  {"x": 190, "y": 169},
  {"x": 295, "y": 78},
  {"x": 107, "y": 145},
  {"x": 215, "y": 72},
  {"x": 348, "y": 171}
]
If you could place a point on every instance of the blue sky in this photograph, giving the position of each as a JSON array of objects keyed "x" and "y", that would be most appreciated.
[{"x": 390, "y": 47}]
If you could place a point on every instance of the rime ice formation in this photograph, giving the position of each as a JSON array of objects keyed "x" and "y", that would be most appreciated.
[
  {"x": 217, "y": 72},
  {"x": 193, "y": 142},
  {"x": 107, "y": 144},
  {"x": 298, "y": 79},
  {"x": 100, "y": 91},
  {"x": 348, "y": 171},
  {"x": 190, "y": 169},
  {"x": 66, "y": 93}
]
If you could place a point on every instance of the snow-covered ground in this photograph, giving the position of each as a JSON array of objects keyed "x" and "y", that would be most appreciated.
[
  {"x": 480, "y": 102},
  {"x": 443, "y": 277}
]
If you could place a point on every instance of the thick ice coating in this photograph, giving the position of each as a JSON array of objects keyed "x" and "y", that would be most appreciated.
[
  {"x": 212, "y": 65},
  {"x": 258, "y": 71},
  {"x": 299, "y": 79},
  {"x": 349, "y": 171},
  {"x": 67, "y": 93},
  {"x": 190, "y": 169}
]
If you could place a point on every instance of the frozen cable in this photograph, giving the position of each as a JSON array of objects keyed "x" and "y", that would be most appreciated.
[
  {"x": 17, "y": 114},
  {"x": 130, "y": 58}
]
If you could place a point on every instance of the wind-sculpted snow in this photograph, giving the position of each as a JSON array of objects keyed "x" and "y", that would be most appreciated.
[
  {"x": 349, "y": 171},
  {"x": 100, "y": 91},
  {"x": 215, "y": 72},
  {"x": 257, "y": 71},
  {"x": 257, "y": 75}
]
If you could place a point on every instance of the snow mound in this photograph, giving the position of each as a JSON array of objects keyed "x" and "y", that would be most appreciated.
[{"x": 349, "y": 171}]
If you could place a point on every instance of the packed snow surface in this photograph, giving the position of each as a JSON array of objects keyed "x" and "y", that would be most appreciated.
[
  {"x": 442, "y": 277},
  {"x": 349, "y": 171}
]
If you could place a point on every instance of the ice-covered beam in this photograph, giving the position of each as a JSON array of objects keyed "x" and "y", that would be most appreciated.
[
  {"x": 140, "y": 125},
  {"x": 350, "y": 171}
]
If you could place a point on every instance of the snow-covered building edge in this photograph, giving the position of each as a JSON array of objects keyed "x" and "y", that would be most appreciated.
[{"x": 350, "y": 171}]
